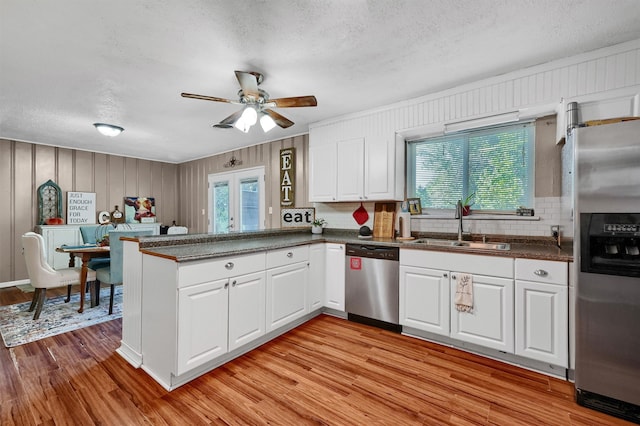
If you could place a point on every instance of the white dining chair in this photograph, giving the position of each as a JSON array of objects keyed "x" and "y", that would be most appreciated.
[
  {"x": 176, "y": 230},
  {"x": 43, "y": 276}
]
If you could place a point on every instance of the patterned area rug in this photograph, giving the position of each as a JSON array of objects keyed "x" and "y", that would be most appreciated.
[{"x": 18, "y": 327}]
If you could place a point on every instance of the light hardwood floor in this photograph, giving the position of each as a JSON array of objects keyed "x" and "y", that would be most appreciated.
[{"x": 327, "y": 371}]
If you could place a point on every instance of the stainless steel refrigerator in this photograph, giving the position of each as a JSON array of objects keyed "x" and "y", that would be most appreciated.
[{"x": 607, "y": 262}]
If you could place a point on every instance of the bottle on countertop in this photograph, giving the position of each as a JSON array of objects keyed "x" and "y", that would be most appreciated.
[{"x": 117, "y": 216}]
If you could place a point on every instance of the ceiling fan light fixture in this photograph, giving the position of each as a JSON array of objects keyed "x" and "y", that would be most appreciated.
[
  {"x": 242, "y": 125},
  {"x": 267, "y": 122},
  {"x": 108, "y": 129},
  {"x": 250, "y": 116}
]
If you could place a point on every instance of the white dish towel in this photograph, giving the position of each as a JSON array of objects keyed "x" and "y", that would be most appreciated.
[{"x": 464, "y": 293}]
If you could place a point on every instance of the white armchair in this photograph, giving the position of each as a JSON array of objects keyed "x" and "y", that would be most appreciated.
[{"x": 43, "y": 276}]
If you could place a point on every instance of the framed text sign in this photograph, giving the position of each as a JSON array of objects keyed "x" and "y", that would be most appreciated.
[
  {"x": 287, "y": 176},
  {"x": 81, "y": 208},
  {"x": 293, "y": 218}
]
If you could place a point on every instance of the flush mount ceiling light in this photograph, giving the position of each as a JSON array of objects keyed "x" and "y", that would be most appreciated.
[{"x": 108, "y": 129}]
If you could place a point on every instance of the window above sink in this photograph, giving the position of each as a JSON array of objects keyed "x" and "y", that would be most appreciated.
[{"x": 494, "y": 163}]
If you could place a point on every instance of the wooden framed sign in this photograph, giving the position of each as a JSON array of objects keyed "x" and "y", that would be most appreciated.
[
  {"x": 287, "y": 177},
  {"x": 294, "y": 218},
  {"x": 81, "y": 208}
]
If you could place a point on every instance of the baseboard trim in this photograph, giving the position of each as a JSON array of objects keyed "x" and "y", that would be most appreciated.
[{"x": 14, "y": 283}]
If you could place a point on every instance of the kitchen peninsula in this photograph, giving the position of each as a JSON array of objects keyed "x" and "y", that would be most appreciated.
[{"x": 194, "y": 302}]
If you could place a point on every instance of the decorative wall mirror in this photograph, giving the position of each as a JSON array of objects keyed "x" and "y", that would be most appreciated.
[{"x": 49, "y": 202}]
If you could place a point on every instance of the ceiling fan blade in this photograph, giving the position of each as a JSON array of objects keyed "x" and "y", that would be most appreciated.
[
  {"x": 228, "y": 122},
  {"x": 208, "y": 98},
  {"x": 280, "y": 120},
  {"x": 248, "y": 83},
  {"x": 298, "y": 101}
]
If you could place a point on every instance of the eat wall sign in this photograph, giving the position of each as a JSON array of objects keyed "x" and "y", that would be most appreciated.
[{"x": 287, "y": 176}]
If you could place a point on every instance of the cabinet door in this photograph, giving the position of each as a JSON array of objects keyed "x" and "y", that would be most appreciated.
[
  {"x": 350, "y": 162},
  {"x": 56, "y": 237},
  {"x": 424, "y": 299},
  {"x": 202, "y": 324},
  {"x": 334, "y": 289},
  {"x": 322, "y": 172},
  {"x": 286, "y": 294},
  {"x": 317, "y": 267},
  {"x": 490, "y": 323},
  {"x": 379, "y": 169},
  {"x": 246, "y": 309},
  {"x": 542, "y": 322}
]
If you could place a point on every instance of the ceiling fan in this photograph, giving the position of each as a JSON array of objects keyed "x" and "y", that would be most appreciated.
[{"x": 256, "y": 104}]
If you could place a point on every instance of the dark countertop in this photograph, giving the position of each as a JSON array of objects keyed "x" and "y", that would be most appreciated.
[{"x": 192, "y": 247}]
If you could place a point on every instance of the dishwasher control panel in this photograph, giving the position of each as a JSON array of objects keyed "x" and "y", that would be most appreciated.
[{"x": 373, "y": 252}]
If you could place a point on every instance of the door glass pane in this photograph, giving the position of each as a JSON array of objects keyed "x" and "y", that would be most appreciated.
[
  {"x": 220, "y": 207},
  {"x": 249, "y": 208}
]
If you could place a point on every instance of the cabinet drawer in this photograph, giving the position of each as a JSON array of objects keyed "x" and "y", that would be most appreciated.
[
  {"x": 544, "y": 271},
  {"x": 287, "y": 256},
  {"x": 474, "y": 264},
  {"x": 208, "y": 270}
]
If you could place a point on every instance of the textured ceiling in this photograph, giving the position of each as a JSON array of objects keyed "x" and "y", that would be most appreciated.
[{"x": 67, "y": 64}]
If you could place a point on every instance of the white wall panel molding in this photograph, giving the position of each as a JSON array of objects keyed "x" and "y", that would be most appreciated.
[{"x": 593, "y": 73}]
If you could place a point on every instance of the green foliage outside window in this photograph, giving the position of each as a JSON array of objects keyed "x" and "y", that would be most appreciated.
[{"x": 496, "y": 164}]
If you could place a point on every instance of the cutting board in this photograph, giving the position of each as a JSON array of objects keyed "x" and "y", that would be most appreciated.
[{"x": 384, "y": 220}]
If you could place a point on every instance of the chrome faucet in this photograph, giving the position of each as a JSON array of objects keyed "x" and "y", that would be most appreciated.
[{"x": 459, "y": 217}]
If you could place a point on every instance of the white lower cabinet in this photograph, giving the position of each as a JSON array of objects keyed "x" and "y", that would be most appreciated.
[
  {"x": 490, "y": 323},
  {"x": 428, "y": 287},
  {"x": 542, "y": 311},
  {"x": 335, "y": 279},
  {"x": 217, "y": 317},
  {"x": 287, "y": 283},
  {"x": 527, "y": 317},
  {"x": 286, "y": 294},
  {"x": 200, "y": 307},
  {"x": 317, "y": 274},
  {"x": 246, "y": 309},
  {"x": 424, "y": 299}
]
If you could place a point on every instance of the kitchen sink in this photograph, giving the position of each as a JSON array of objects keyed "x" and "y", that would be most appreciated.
[{"x": 465, "y": 244}]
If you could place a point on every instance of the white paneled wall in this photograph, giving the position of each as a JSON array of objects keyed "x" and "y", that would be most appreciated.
[
  {"x": 534, "y": 89},
  {"x": 601, "y": 75}
]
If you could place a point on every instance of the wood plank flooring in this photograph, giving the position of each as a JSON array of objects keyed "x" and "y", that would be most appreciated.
[{"x": 327, "y": 371}]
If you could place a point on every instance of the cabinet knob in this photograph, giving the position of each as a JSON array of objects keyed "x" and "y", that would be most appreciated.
[
  {"x": 453, "y": 276},
  {"x": 289, "y": 254},
  {"x": 226, "y": 285},
  {"x": 234, "y": 283},
  {"x": 229, "y": 265},
  {"x": 445, "y": 275},
  {"x": 541, "y": 272}
]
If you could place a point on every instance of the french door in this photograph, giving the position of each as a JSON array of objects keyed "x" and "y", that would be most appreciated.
[{"x": 236, "y": 201}]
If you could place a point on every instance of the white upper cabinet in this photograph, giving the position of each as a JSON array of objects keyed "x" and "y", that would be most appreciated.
[
  {"x": 350, "y": 170},
  {"x": 322, "y": 172},
  {"x": 369, "y": 168}
]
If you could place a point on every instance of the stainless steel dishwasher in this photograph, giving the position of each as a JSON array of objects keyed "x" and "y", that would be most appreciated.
[{"x": 371, "y": 281}]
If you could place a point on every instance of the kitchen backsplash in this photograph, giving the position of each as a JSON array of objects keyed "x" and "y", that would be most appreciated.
[{"x": 547, "y": 213}]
